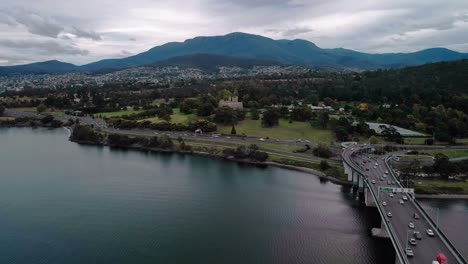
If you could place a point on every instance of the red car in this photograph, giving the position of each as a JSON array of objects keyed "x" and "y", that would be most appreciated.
[
  {"x": 442, "y": 259},
  {"x": 416, "y": 216}
]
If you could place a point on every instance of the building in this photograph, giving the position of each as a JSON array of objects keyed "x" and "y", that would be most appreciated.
[{"x": 232, "y": 103}]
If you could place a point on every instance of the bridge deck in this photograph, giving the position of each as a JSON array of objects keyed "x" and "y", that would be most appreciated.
[{"x": 426, "y": 249}]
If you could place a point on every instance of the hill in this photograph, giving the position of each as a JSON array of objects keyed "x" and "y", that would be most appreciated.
[
  {"x": 46, "y": 67},
  {"x": 242, "y": 45},
  {"x": 297, "y": 51},
  {"x": 210, "y": 62}
]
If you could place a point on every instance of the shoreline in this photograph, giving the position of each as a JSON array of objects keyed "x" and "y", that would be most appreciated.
[
  {"x": 311, "y": 171},
  {"x": 443, "y": 196}
]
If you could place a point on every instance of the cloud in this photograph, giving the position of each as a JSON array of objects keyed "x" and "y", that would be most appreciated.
[
  {"x": 109, "y": 27},
  {"x": 41, "y": 25},
  {"x": 85, "y": 34},
  {"x": 44, "y": 47}
]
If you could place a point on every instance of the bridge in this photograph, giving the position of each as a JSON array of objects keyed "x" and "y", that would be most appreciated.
[{"x": 376, "y": 183}]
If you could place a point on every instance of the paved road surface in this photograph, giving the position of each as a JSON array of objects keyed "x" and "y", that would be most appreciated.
[{"x": 426, "y": 249}]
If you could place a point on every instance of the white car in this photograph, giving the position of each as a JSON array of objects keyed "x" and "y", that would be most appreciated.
[
  {"x": 375, "y": 167},
  {"x": 386, "y": 171},
  {"x": 391, "y": 195},
  {"x": 261, "y": 139},
  {"x": 405, "y": 198},
  {"x": 384, "y": 203},
  {"x": 389, "y": 214},
  {"x": 411, "y": 225},
  {"x": 385, "y": 176},
  {"x": 401, "y": 202},
  {"x": 373, "y": 181},
  {"x": 430, "y": 232}
]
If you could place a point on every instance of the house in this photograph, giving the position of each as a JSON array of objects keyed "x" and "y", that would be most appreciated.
[
  {"x": 363, "y": 106},
  {"x": 232, "y": 102}
]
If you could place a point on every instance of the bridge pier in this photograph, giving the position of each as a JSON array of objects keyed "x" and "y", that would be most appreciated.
[
  {"x": 381, "y": 232},
  {"x": 368, "y": 199}
]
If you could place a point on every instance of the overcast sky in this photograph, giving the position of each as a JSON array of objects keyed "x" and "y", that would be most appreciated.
[{"x": 82, "y": 31}]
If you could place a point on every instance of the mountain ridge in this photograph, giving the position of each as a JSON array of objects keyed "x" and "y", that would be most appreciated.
[{"x": 249, "y": 46}]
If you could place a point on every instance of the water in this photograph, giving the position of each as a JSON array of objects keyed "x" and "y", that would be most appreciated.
[{"x": 61, "y": 202}]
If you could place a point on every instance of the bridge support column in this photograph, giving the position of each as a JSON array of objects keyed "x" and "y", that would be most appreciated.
[
  {"x": 368, "y": 199},
  {"x": 381, "y": 232}
]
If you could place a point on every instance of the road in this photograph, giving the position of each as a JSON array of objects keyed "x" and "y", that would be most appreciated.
[{"x": 426, "y": 249}]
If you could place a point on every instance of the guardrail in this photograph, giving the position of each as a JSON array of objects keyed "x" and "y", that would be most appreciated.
[
  {"x": 396, "y": 243},
  {"x": 444, "y": 239}
]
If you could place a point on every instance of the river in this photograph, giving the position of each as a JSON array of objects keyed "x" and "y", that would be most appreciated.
[{"x": 61, "y": 202}]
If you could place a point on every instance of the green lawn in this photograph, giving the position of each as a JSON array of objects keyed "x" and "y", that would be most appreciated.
[
  {"x": 451, "y": 153},
  {"x": 176, "y": 117},
  {"x": 415, "y": 140},
  {"x": 285, "y": 130},
  {"x": 118, "y": 113},
  {"x": 462, "y": 140},
  {"x": 439, "y": 187}
]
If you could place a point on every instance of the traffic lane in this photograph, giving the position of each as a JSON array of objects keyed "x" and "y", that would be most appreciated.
[
  {"x": 402, "y": 215},
  {"x": 427, "y": 248}
]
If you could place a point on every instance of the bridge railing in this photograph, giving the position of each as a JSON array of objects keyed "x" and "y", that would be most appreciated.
[
  {"x": 444, "y": 239},
  {"x": 396, "y": 243}
]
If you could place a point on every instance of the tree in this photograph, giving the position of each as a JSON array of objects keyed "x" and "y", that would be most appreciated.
[
  {"x": 324, "y": 165},
  {"x": 373, "y": 140},
  {"x": 301, "y": 114},
  {"x": 205, "y": 109},
  {"x": 270, "y": 118},
  {"x": 323, "y": 119},
  {"x": 341, "y": 133},
  {"x": 254, "y": 114},
  {"x": 41, "y": 108},
  {"x": 225, "y": 115},
  {"x": 322, "y": 151},
  {"x": 442, "y": 165},
  {"x": 233, "y": 130}
]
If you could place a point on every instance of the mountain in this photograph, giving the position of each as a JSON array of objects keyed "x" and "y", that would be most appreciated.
[
  {"x": 210, "y": 62},
  {"x": 45, "y": 67},
  {"x": 300, "y": 52}
]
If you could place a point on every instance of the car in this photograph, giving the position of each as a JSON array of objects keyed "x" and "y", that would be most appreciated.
[
  {"x": 415, "y": 215},
  {"x": 384, "y": 203},
  {"x": 375, "y": 167},
  {"x": 409, "y": 252},
  {"x": 405, "y": 198},
  {"x": 411, "y": 225},
  {"x": 389, "y": 183},
  {"x": 376, "y": 164},
  {"x": 441, "y": 259},
  {"x": 430, "y": 232},
  {"x": 385, "y": 176},
  {"x": 261, "y": 139},
  {"x": 417, "y": 235},
  {"x": 401, "y": 202},
  {"x": 391, "y": 195},
  {"x": 367, "y": 169},
  {"x": 381, "y": 179},
  {"x": 373, "y": 181},
  {"x": 412, "y": 241},
  {"x": 386, "y": 171},
  {"x": 389, "y": 214}
]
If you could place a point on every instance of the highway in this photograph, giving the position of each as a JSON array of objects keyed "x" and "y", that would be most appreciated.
[{"x": 428, "y": 247}]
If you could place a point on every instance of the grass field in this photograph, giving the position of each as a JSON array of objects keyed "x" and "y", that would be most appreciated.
[
  {"x": 176, "y": 117},
  {"x": 285, "y": 130},
  {"x": 118, "y": 113},
  {"x": 4, "y": 118},
  {"x": 462, "y": 140},
  {"x": 415, "y": 140},
  {"x": 440, "y": 187},
  {"x": 451, "y": 153},
  {"x": 34, "y": 110}
]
